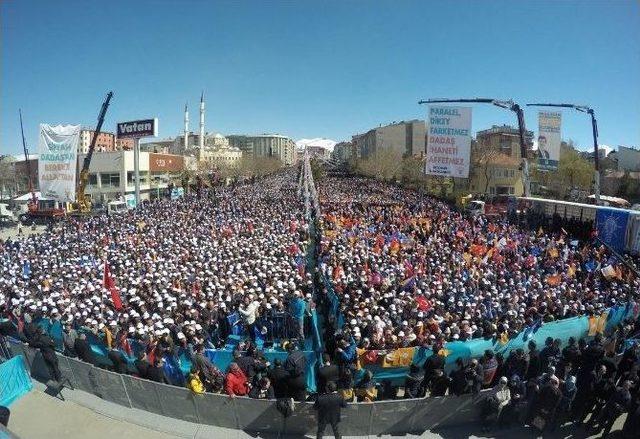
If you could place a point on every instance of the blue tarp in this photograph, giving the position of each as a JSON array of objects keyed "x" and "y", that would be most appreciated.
[
  {"x": 612, "y": 227},
  {"x": 14, "y": 380},
  {"x": 577, "y": 327}
]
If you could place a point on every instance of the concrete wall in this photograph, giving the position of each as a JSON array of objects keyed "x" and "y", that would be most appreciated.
[{"x": 358, "y": 419}]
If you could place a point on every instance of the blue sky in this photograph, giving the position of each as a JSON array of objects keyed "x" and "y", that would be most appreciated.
[{"x": 316, "y": 69}]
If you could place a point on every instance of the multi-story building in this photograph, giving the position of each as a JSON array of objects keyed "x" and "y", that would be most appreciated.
[
  {"x": 242, "y": 142},
  {"x": 266, "y": 145},
  {"x": 105, "y": 143},
  {"x": 112, "y": 175},
  {"x": 318, "y": 152},
  {"x": 219, "y": 153},
  {"x": 404, "y": 137},
  {"x": 124, "y": 144},
  {"x": 343, "y": 151},
  {"x": 496, "y": 159},
  {"x": 628, "y": 158}
]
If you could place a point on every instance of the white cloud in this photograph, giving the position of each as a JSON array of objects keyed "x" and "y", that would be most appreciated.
[{"x": 318, "y": 141}]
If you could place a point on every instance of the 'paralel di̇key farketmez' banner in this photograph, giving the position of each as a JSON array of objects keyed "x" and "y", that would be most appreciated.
[{"x": 449, "y": 141}]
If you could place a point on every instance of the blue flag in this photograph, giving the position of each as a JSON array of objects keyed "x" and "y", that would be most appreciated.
[
  {"x": 612, "y": 227},
  {"x": 26, "y": 269}
]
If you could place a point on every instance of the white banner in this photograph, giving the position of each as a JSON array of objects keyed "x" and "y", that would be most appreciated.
[
  {"x": 58, "y": 153},
  {"x": 549, "y": 140},
  {"x": 449, "y": 141}
]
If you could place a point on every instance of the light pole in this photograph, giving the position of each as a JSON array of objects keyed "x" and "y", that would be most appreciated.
[
  {"x": 510, "y": 105},
  {"x": 594, "y": 129}
]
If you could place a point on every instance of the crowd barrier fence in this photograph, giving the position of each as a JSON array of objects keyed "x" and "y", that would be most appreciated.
[{"x": 260, "y": 416}]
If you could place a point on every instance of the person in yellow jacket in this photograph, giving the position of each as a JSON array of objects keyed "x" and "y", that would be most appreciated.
[{"x": 194, "y": 383}]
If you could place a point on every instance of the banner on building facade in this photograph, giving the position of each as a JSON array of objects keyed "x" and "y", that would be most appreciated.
[
  {"x": 449, "y": 141},
  {"x": 549, "y": 124},
  {"x": 58, "y": 153}
]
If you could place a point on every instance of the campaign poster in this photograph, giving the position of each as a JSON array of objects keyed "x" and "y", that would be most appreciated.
[
  {"x": 58, "y": 153},
  {"x": 549, "y": 140},
  {"x": 449, "y": 141}
]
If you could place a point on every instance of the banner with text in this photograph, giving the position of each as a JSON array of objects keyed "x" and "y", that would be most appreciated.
[
  {"x": 549, "y": 140},
  {"x": 58, "y": 149},
  {"x": 449, "y": 141}
]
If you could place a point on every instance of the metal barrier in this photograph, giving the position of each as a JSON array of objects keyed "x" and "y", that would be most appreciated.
[{"x": 251, "y": 415}]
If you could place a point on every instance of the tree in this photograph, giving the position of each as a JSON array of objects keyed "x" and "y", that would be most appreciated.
[
  {"x": 629, "y": 187},
  {"x": 482, "y": 157},
  {"x": 574, "y": 171},
  {"x": 384, "y": 164}
]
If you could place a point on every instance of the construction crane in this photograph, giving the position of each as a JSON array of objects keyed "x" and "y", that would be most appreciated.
[
  {"x": 33, "y": 204},
  {"x": 83, "y": 202}
]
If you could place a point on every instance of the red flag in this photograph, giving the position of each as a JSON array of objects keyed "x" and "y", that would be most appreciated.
[
  {"x": 423, "y": 303},
  {"x": 110, "y": 285}
]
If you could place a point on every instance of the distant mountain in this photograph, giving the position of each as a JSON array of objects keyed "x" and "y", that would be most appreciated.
[{"x": 318, "y": 141}]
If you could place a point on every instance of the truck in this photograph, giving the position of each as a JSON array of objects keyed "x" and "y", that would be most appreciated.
[{"x": 7, "y": 218}]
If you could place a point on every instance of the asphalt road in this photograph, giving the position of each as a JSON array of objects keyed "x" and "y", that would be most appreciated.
[
  {"x": 13, "y": 232},
  {"x": 38, "y": 415}
]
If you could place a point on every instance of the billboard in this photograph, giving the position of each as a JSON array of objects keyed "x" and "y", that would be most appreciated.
[
  {"x": 549, "y": 140},
  {"x": 138, "y": 128},
  {"x": 449, "y": 141},
  {"x": 165, "y": 162},
  {"x": 58, "y": 153}
]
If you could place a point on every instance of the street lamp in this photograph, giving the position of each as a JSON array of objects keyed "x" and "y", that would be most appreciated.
[
  {"x": 510, "y": 105},
  {"x": 594, "y": 129}
]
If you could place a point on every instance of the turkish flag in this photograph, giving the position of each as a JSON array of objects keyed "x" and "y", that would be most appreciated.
[
  {"x": 423, "y": 303},
  {"x": 110, "y": 284}
]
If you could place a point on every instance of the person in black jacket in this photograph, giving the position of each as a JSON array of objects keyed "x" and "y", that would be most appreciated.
[
  {"x": 47, "y": 348},
  {"x": 431, "y": 364},
  {"x": 327, "y": 373},
  {"x": 296, "y": 365},
  {"x": 263, "y": 390},
  {"x": 118, "y": 360},
  {"x": 329, "y": 407},
  {"x": 516, "y": 364},
  {"x": 617, "y": 404},
  {"x": 278, "y": 377},
  {"x": 156, "y": 372},
  {"x": 534, "y": 361},
  {"x": 439, "y": 383},
  {"x": 83, "y": 349},
  {"x": 142, "y": 365},
  {"x": 413, "y": 382},
  {"x": 593, "y": 354}
]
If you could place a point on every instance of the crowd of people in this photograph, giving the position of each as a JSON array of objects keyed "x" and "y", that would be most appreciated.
[
  {"x": 188, "y": 272},
  {"x": 409, "y": 270}
]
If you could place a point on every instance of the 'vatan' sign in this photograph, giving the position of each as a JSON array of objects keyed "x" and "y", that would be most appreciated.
[
  {"x": 549, "y": 140},
  {"x": 58, "y": 152},
  {"x": 138, "y": 128},
  {"x": 449, "y": 141}
]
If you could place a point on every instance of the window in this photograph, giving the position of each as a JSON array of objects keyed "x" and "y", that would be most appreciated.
[
  {"x": 93, "y": 180},
  {"x": 492, "y": 190},
  {"x": 511, "y": 190},
  {"x": 512, "y": 173},
  {"x": 111, "y": 179}
]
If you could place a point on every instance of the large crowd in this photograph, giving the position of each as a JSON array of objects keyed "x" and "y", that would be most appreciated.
[
  {"x": 406, "y": 270},
  {"x": 409, "y": 270},
  {"x": 181, "y": 267}
]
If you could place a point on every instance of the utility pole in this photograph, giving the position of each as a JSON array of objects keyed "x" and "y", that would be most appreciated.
[
  {"x": 509, "y": 105},
  {"x": 594, "y": 129}
]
